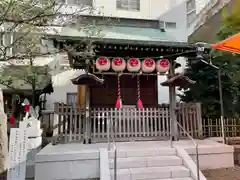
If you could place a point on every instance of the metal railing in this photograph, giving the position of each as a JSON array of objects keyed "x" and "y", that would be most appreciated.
[
  {"x": 196, "y": 149},
  {"x": 110, "y": 135}
]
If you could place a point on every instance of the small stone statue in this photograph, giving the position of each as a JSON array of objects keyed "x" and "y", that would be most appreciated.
[
  {"x": 31, "y": 122},
  {"x": 34, "y": 133},
  {"x": 29, "y": 110}
]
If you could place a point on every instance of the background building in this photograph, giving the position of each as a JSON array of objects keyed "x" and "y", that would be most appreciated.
[{"x": 208, "y": 20}]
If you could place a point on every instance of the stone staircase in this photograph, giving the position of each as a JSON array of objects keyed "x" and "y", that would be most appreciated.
[{"x": 149, "y": 164}]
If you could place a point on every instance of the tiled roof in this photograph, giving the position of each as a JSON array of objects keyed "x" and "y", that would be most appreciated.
[{"x": 119, "y": 32}]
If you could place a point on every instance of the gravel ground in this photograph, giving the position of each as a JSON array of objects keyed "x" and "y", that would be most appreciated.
[{"x": 223, "y": 174}]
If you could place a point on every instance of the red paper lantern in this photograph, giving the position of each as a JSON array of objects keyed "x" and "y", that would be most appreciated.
[
  {"x": 103, "y": 64},
  {"x": 148, "y": 65},
  {"x": 163, "y": 65},
  {"x": 118, "y": 64},
  {"x": 133, "y": 65}
]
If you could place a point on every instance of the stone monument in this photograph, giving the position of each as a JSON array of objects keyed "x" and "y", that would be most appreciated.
[
  {"x": 3, "y": 137},
  {"x": 17, "y": 154},
  {"x": 34, "y": 133}
]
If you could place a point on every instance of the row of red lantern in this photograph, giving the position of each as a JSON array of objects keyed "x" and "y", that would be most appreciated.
[{"x": 118, "y": 64}]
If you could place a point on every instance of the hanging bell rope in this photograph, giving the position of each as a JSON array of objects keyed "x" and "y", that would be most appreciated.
[
  {"x": 139, "y": 101},
  {"x": 119, "y": 100}
]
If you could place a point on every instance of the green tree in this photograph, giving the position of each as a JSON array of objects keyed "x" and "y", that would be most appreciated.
[
  {"x": 25, "y": 77},
  {"x": 206, "y": 88},
  {"x": 23, "y": 18},
  {"x": 230, "y": 22},
  {"x": 22, "y": 26}
]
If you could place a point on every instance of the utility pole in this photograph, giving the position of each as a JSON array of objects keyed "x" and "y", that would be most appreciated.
[
  {"x": 200, "y": 50},
  {"x": 220, "y": 98}
]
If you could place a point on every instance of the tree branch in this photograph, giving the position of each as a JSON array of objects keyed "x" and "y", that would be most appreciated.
[
  {"x": 6, "y": 12},
  {"x": 39, "y": 15},
  {"x": 7, "y": 85}
]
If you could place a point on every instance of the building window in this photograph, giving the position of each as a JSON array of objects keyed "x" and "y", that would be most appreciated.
[
  {"x": 84, "y": 2},
  {"x": 191, "y": 5},
  {"x": 161, "y": 24},
  {"x": 128, "y": 5},
  {"x": 123, "y": 22},
  {"x": 61, "y": 1},
  {"x": 167, "y": 25},
  {"x": 170, "y": 25},
  {"x": 76, "y": 2},
  {"x": 72, "y": 99}
]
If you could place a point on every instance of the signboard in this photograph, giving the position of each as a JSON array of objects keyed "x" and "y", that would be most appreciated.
[{"x": 17, "y": 154}]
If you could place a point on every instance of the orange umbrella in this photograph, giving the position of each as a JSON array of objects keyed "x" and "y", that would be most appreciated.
[{"x": 231, "y": 44}]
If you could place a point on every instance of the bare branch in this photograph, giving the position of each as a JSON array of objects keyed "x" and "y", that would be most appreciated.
[
  {"x": 7, "y": 85},
  {"x": 26, "y": 22},
  {"x": 4, "y": 15}
]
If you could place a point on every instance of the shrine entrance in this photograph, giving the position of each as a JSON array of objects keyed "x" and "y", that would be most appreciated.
[
  {"x": 120, "y": 85},
  {"x": 105, "y": 97}
]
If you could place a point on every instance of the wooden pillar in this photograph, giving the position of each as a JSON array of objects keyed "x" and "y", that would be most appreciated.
[
  {"x": 87, "y": 117},
  {"x": 81, "y": 95},
  {"x": 83, "y": 99},
  {"x": 172, "y": 104}
]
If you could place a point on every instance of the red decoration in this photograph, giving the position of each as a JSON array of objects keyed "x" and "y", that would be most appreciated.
[
  {"x": 134, "y": 62},
  {"x": 149, "y": 62},
  {"x": 103, "y": 64},
  {"x": 133, "y": 65},
  {"x": 163, "y": 65},
  {"x": 11, "y": 119},
  {"x": 102, "y": 61},
  {"x": 148, "y": 65},
  {"x": 118, "y": 103},
  {"x": 139, "y": 102},
  {"x": 119, "y": 100},
  {"x": 118, "y": 64},
  {"x": 27, "y": 108},
  {"x": 118, "y": 61}
]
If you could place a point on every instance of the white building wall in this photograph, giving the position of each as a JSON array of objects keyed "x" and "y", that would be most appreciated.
[
  {"x": 177, "y": 14},
  {"x": 200, "y": 4},
  {"x": 149, "y": 9},
  {"x": 61, "y": 85},
  {"x": 61, "y": 80},
  {"x": 202, "y": 7}
]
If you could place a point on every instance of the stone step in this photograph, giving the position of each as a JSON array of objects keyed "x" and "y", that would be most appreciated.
[
  {"x": 152, "y": 173},
  {"x": 142, "y": 152},
  {"x": 150, "y": 161}
]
